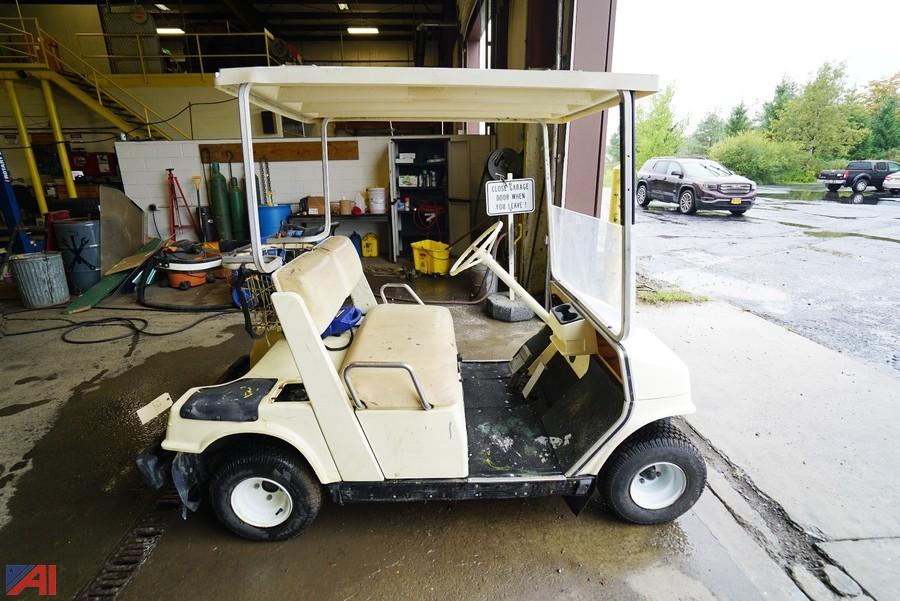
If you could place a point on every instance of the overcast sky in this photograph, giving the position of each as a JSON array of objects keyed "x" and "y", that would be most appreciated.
[{"x": 719, "y": 52}]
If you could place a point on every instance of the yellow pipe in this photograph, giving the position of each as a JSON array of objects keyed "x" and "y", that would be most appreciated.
[
  {"x": 58, "y": 138},
  {"x": 26, "y": 142}
]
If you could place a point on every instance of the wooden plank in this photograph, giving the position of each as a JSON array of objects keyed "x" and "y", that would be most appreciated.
[
  {"x": 346, "y": 150},
  {"x": 105, "y": 286},
  {"x": 133, "y": 261}
]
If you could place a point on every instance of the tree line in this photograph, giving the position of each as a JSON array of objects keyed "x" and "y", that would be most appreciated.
[{"x": 800, "y": 130}]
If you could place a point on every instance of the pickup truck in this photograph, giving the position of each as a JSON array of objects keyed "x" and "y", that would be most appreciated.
[{"x": 859, "y": 175}]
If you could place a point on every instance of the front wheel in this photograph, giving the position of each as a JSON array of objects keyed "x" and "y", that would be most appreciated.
[
  {"x": 643, "y": 199},
  {"x": 654, "y": 477},
  {"x": 265, "y": 494},
  {"x": 686, "y": 202},
  {"x": 834, "y": 187},
  {"x": 860, "y": 185}
]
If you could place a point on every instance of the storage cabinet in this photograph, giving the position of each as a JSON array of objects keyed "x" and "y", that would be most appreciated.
[{"x": 420, "y": 203}]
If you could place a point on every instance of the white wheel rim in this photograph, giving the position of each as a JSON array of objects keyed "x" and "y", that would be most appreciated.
[
  {"x": 641, "y": 193},
  {"x": 658, "y": 485},
  {"x": 261, "y": 502},
  {"x": 686, "y": 202}
]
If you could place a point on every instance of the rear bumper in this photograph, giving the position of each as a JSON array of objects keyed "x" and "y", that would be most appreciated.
[{"x": 832, "y": 182}]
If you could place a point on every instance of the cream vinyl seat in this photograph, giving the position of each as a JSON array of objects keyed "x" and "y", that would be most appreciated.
[{"x": 419, "y": 335}]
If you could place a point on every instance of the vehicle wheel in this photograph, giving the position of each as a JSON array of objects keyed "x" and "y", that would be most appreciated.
[
  {"x": 654, "y": 476},
  {"x": 860, "y": 185},
  {"x": 686, "y": 203},
  {"x": 265, "y": 494},
  {"x": 834, "y": 187},
  {"x": 738, "y": 212},
  {"x": 879, "y": 188},
  {"x": 184, "y": 285},
  {"x": 643, "y": 199}
]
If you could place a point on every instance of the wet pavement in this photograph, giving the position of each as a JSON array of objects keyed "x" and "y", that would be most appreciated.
[{"x": 823, "y": 264}]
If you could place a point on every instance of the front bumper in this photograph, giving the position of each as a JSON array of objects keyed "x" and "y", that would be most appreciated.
[{"x": 709, "y": 201}]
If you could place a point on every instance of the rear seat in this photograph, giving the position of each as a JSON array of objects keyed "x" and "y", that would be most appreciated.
[{"x": 421, "y": 336}]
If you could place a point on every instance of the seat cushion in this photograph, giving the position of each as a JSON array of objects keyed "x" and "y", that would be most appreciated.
[{"x": 421, "y": 336}]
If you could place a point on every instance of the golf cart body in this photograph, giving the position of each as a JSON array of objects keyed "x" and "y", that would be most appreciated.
[{"x": 392, "y": 412}]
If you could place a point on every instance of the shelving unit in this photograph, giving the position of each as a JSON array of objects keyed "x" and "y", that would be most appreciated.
[{"x": 426, "y": 214}]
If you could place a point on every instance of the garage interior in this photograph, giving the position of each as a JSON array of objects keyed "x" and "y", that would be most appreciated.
[{"x": 114, "y": 135}]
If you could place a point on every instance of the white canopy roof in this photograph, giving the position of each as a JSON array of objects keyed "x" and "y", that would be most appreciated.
[{"x": 308, "y": 93}]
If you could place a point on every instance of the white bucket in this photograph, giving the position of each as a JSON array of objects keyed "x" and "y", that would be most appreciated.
[{"x": 376, "y": 200}]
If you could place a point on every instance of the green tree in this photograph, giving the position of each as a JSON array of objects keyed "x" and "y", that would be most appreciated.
[
  {"x": 738, "y": 120},
  {"x": 657, "y": 132},
  {"x": 710, "y": 130},
  {"x": 785, "y": 91},
  {"x": 819, "y": 119},
  {"x": 763, "y": 160},
  {"x": 885, "y": 126}
]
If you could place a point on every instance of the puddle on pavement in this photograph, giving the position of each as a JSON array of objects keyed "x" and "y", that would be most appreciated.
[
  {"x": 82, "y": 492},
  {"x": 830, "y": 234}
]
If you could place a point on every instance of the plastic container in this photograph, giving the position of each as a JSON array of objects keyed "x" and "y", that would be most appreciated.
[
  {"x": 79, "y": 241},
  {"x": 376, "y": 200},
  {"x": 370, "y": 245},
  {"x": 41, "y": 279},
  {"x": 357, "y": 242},
  {"x": 270, "y": 219},
  {"x": 346, "y": 206},
  {"x": 431, "y": 257}
]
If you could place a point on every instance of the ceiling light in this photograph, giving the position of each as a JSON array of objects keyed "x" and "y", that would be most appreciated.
[
  {"x": 162, "y": 7},
  {"x": 362, "y": 30},
  {"x": 169, "y": 31},
  {"x": 343, "y": 6}
]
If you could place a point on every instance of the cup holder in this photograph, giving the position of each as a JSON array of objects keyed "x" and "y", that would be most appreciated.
[{"x": 565, "y": 313}]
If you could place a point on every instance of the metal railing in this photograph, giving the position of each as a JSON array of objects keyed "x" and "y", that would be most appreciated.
[{"x": 148, "y": 54}]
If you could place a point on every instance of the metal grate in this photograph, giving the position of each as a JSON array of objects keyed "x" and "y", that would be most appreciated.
[{"x": 254, "y": 291}]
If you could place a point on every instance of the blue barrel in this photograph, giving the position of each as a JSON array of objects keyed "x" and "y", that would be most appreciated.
[
  {"x": 79, "y": 241},
  {"x": 270, "y": 219},
  {"x": 41, "y": 279}
]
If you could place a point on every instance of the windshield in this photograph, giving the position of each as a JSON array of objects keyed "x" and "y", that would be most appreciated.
[
  {"x": 586, "y": 258},
  {"x": 705, "y": 169}
]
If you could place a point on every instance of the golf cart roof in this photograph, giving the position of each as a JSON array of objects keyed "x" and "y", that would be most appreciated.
[{"x": 309, "y": 93}]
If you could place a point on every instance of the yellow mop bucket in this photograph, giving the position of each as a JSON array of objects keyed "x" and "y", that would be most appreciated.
[{"x": 431, "y": 256}]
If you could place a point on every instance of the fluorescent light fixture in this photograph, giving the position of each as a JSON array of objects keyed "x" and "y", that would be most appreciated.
[
  {"x": 162, "y": 7},
  {"x": 169, "y": 31},
  {"x": 343, "y": 6},
  {"x": 362, "y": 30}
]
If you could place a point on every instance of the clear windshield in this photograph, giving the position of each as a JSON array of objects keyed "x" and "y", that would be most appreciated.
[
  {"x": 705, "y": 169},
  {"x": 586, "y": 258}
]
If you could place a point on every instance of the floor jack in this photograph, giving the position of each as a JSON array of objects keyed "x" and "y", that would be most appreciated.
[{"x": 19, "y": 240}]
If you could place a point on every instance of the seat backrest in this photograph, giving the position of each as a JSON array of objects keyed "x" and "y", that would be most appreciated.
[{"x": 323, "y": 278}]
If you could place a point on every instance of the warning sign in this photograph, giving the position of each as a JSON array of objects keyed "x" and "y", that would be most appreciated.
[{"x": 509, "y": 197}]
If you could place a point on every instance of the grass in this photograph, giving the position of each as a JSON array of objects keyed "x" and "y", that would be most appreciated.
[
  {"x": 829, "y": 234},
  {"x": 673, "y": 295}
]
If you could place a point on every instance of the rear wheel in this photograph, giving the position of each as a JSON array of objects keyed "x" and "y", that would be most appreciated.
[
  {"x": 834, "y": 187},
  {"x": 643, "y": 199},
  {"x": 860, "y": 185},
  {"x": 686, "y": 203},
  {"x": 265, "y": 494},
  {"x": 654, "y": 477}
]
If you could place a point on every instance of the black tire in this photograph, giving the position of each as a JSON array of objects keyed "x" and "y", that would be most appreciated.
[
  {"x": 834, "y": 187},
  {"x": 184, "y": 285},
  {"x": 275, "y": 464},
  {"x": 860, "y": 185},
  {"x": 738, "y": 212},
  {"x": 687, "y": 202},
  {"x": 879, "y": 188},
  {"x": 642, "y": 196},
  {"x": 660, "y": 443}
]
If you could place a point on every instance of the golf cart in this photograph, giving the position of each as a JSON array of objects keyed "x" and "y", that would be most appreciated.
[{"x": 389, "y": 411}]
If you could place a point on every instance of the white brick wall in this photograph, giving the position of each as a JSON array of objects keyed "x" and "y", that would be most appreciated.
[{"x": 143, "y": 166}]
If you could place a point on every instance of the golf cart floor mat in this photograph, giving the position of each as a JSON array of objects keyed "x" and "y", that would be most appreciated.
[
  {"x": 236, "y": 401},
  {"x": 505, "y": 436}
]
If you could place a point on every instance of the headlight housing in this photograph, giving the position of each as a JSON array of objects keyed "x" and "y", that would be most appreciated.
[{"x": 710, "y": 186}]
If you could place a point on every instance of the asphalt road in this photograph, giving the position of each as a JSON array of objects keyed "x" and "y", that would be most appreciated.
[{"x": 824, "y": 265}]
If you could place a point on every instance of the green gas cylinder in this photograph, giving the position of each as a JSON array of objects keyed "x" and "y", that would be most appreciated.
[
  {"x": 237, "y": 207},
  {"x": 218, "y": 195}
]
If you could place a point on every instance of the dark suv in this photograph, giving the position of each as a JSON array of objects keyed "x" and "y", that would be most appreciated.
[{"x": 694, "y": 183}]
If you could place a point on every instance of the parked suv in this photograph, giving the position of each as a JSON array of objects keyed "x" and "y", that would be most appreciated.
[
  {"x": 859, "y": 175},
  {"x": 694, "y": 183}
]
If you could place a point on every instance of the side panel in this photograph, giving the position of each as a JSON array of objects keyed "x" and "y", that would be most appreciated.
[
  {"x": 349, "y": 447},
  {"x": 414, "y": 443}
]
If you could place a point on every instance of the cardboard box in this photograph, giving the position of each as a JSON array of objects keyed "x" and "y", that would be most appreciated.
[{"x": 315, "y": 205}]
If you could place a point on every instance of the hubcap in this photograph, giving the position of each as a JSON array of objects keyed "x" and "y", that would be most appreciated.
[
  {"x": 658, "y": 485},
  {"x": 686, "y": 202},
  {"x": 261, "y": 502},
  {"x": 641, "y": 194}
]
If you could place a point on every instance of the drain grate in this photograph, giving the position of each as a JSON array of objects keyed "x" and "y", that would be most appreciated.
[{"x": 133, "y": 550}]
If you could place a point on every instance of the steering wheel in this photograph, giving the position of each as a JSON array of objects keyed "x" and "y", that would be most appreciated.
[{"x": 472, "y": 255}]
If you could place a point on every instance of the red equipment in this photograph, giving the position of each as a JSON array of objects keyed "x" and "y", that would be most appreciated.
[{"x": 176, "y": 196}]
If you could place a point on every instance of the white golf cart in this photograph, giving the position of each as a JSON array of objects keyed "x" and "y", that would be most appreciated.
[{"x": 396, "y": 414}]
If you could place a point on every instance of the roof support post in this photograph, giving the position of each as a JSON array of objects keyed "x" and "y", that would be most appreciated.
[
  {"x": 626, "y": 198},
  {"x": 58, "y": 138},
  {"x": 26, "y": 142}
]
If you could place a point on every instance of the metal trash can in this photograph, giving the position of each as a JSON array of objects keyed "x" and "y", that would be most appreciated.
[
  {"x": 79, "y": 241},
  {"x": 41, "y": 279}
]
